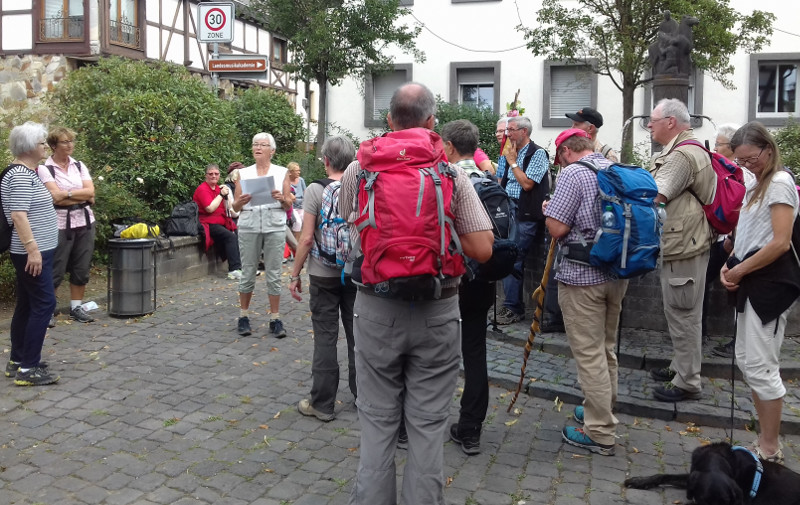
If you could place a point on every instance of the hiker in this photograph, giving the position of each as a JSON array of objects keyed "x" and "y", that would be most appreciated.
[
  {"x": 219, "y": 228},
  {"x": 406, "y": 341},
  {"x": 590, "y": 120}
]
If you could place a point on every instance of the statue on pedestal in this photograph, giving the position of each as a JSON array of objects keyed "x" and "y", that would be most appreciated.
[{"x": 669, "y": 54}]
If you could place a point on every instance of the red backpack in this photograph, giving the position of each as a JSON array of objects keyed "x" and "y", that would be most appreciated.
[
  {"x": 405, "y": 221},
  {"x": 723, "y": 211}
]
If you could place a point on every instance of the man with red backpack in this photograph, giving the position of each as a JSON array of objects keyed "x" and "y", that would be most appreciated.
[{"x": 413, "y": 214}]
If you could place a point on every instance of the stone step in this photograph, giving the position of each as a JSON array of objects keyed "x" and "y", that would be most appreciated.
[{"x": 553, "y": 375}]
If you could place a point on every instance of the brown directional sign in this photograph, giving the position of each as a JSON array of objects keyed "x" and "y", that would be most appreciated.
[{"x": 244, "y": 64}]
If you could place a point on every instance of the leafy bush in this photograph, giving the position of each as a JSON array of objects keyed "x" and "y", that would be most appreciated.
[
  {"x": 788, "y": 139},
  {"x": 311, "y": 168},
  {"x": 482, "y": 117},
  {"x": 150, "y": 127},
  {"x": 15, "y": 115},
  {"x": 265, "y": 110}
]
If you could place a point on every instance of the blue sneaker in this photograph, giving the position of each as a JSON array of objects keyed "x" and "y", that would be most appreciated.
[
  {"x": 576, "y": 436},
  {"x": 578, "y": 414}
]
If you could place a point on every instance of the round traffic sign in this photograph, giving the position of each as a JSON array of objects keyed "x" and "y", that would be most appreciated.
[{"x": 215, "y": 19}]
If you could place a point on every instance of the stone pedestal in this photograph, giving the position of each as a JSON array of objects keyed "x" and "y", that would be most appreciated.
[{"x": 669, "y": 86}]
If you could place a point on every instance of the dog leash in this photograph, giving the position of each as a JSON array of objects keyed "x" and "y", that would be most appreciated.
[{"x": 733, "y": 370}]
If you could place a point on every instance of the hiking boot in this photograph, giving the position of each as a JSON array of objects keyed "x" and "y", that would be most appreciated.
[
  {"x": 36, "y": 376},
  {"x": 665, "y": 374},
  {"x": 470, "y": 443},
  {"x": 669, "y": 392},
  {"x": 576, "y": 436},
  {"x": 13, "y": 366},
  {"x": 243, "y": 326},
  {"x": 235, "y": 275},
  {"x": 725, "y": 350},
  {"x": 276, "y": 328},
  {"x": 305, "y": 408},
  {"x": 550, "y": 326},
  {"x": 79, "y": 314},
  {"x": 578, "y": 414},
  {"x": 402, "y": 437},
  {"x": 507, "y": 316}
]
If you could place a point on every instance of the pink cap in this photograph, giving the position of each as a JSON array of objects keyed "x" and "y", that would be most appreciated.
[{"x": 564, "y": 136}]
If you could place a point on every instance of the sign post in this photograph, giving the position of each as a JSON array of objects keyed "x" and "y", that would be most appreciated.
[{"x": 215, "y": 25}]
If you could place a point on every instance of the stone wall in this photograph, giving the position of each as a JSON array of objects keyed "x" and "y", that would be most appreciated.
[{"x": 26, "y": 77}]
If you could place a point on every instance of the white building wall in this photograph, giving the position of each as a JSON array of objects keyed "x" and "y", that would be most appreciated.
[{"x": 486, "y": 32}]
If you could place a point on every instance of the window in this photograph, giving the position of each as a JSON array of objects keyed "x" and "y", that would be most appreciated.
[
  {"x": 476, "y": 83},
  {"x": 567, "y": 88},
  {"x": 379, "y": 89},
  {"x": 279, "y": 53},
  {"x": 123, "y": 23},
  {"x": 62, "y": 20},
  {"x": 406, "y": 3},
  {"x": 773, "y": 85}
]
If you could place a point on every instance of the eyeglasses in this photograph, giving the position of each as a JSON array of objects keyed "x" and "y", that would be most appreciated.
[
  {"x": 659, "y": 119},
  {"x": 263, "y": 146},
  {"x": 509, "y": 130},
  {"x": 215, "y": 174},
  {"x": 66, "y": 142},
  {"x": 749, "y": 161},
  {"x": 499, "y": 131},
  {"x": 42, "y": 143}
]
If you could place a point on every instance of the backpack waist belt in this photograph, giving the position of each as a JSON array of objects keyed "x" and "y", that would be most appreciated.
[
  {"x": 70, "y": 208},
  {"x": 375, "y": 291},
  {"x": 577, "y": 252}
]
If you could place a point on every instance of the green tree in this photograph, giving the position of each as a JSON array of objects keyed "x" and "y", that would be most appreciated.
[
  {"x": 614, "y": 38},
  {"x": 149, "y": 129},
  {"x": 482, "y": 117},
  {"x": 788, "y": 139},
  {"x": 332, "y": 39},
  {"x": 265, "y": 110}
]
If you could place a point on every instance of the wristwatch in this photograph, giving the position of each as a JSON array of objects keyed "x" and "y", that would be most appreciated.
[
  {"x": 514, "y": 165},
  {"x": 69, "y": 194}
]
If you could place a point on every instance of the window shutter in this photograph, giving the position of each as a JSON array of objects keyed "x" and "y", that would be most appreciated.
[
  {"x": 384, "y": 87},
  {"x": 570, "y": 89}
]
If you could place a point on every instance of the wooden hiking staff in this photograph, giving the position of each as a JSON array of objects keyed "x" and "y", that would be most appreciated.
[{"x": 538, "y": 297}]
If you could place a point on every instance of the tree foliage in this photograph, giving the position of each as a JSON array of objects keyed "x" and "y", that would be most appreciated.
[
  {"x": 265, "y": 110},
  {"x": 613, "y": 37},
  {"x": 150, "y": 128},
  {"x": 788, "y": 139},
  {"x": 329, "y": 40},
  {"x": 482, "y": 117}
]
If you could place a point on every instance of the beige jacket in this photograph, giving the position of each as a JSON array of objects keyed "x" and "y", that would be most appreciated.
[{"x": 686, "y": 231}]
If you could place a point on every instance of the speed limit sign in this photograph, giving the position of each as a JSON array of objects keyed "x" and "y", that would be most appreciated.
[{"x": 215, "y": 22}]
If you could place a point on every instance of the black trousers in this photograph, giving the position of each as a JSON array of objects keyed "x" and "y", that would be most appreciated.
[
  {"x": 227, "y": 242},
  {"x": 474, "y": 301}
]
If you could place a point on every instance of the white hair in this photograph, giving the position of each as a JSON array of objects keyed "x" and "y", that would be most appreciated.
[
  {"x": 727, "y": 130},
  {"x": 672, "y": 107},
  {"x": 24, "y": 138},
  {"x": 265, "y": 136}
]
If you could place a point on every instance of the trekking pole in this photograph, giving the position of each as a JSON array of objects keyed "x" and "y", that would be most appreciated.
[
  {"x": 493, "y": 324},
  {"x": 619, "y": 324},
  {"x": 538, "y": 297}
]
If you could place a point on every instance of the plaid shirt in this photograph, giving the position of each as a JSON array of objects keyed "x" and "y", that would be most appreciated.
[
  {"x": 535, "y": 170},
  {"x": 575, "y": 204}
]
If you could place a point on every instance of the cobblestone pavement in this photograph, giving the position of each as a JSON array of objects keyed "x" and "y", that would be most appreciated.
[{"x": 175, "y": 408}]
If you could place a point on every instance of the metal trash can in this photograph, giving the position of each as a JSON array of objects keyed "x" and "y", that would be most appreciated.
[{"x": 131, "y": 277}]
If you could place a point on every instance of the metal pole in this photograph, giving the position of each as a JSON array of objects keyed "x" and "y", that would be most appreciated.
[{"x": 214, "y": 75}]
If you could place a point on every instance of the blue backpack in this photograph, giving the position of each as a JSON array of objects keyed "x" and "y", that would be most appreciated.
[{"x": 630, "y": 247}]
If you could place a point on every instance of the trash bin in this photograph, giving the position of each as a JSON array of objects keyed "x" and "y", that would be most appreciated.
[{"x": 131, "y": 277}]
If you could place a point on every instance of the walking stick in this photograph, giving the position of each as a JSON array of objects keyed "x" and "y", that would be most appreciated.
[{"x": 538, "y": 297}]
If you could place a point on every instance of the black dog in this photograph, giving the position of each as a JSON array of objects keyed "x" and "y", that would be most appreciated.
[{"x": 722, "y": 476}]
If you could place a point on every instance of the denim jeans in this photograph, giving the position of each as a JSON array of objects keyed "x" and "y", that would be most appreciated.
[
  {"x": 36, "y": 301},
  {"x": 527, "y": 231}
]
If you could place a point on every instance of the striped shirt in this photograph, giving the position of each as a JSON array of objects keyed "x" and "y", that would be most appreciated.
[
  {"x": 23, "y": 191},
  {"x": 575, "y": 204},
  {"x": 535, "y": 170}
]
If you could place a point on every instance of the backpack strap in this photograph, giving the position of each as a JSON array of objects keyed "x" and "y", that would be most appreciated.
[
  {"x": 75, "y": 206},
  {"x": 370, "y": 178},
  {"x": 3, "y": 176},
  {"x": 691, "y": 142}
]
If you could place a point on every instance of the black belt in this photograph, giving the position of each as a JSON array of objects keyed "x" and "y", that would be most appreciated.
[{"x": 375, "y": 291}]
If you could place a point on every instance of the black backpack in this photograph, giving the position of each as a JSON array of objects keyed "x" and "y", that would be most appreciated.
[
  {"x": 6, "y": 228},
  {"x": 504, "y": 250},
  {"x": 184, "y": 220}
]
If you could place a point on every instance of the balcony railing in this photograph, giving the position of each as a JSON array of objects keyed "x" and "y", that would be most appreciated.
[
  {"x": 124, "y": 34},
  {"x": 68, "y": 29}
]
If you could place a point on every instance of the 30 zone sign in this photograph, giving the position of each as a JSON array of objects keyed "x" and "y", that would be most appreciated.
[{"x": 215, "y": 22}]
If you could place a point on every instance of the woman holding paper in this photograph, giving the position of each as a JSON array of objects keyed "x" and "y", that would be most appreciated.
[{"x": 262, "y": 220}]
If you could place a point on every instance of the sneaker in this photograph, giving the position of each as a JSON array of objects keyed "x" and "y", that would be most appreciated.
[
  {"x": 669, "y": 392},
  {"x": 276, "y": 328},
  {"x": 576, "y": 436},
  {"x": 507, "y": 316},
  {"x": 470, "y": 443},
  {"x": 578, "y": 414},
  {"x": 665, "y": 374},
  {"x": 243, "y": 326},
  {"x": 79, "y": 314},
  {"x": 52, "y": 323},
  {"x": 13, "y": 366},
  {"x": 725, "y": 350},
  {"x": 755, "y": 448},
  {"x": 305, "y": 408},
  {"x": 36, "y": 376},
  {"x": 235, "y": 275},
  {"x": 402, "y": 437}
]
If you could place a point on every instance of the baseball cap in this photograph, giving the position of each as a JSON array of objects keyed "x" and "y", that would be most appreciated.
[
  {"x": 564, "y": 136},
  {"x": 587, "y": 114}
]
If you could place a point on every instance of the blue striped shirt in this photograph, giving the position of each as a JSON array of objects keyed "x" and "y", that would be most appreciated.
[
  {"x": 535, "y": 170},
  {"x": 22, "y": 190}
]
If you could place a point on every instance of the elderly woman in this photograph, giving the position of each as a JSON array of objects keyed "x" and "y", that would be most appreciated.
[
  {"x": 261, "y": 230},
  {"x": 216, "y": 220},
  {"x": 71, "y": 186},
  {"x": 765, "y": 276},
  {"x": 29, "y": 207}
]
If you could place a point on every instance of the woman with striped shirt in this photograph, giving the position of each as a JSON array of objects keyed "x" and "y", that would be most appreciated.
[{"x": 28, "y": 206}]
